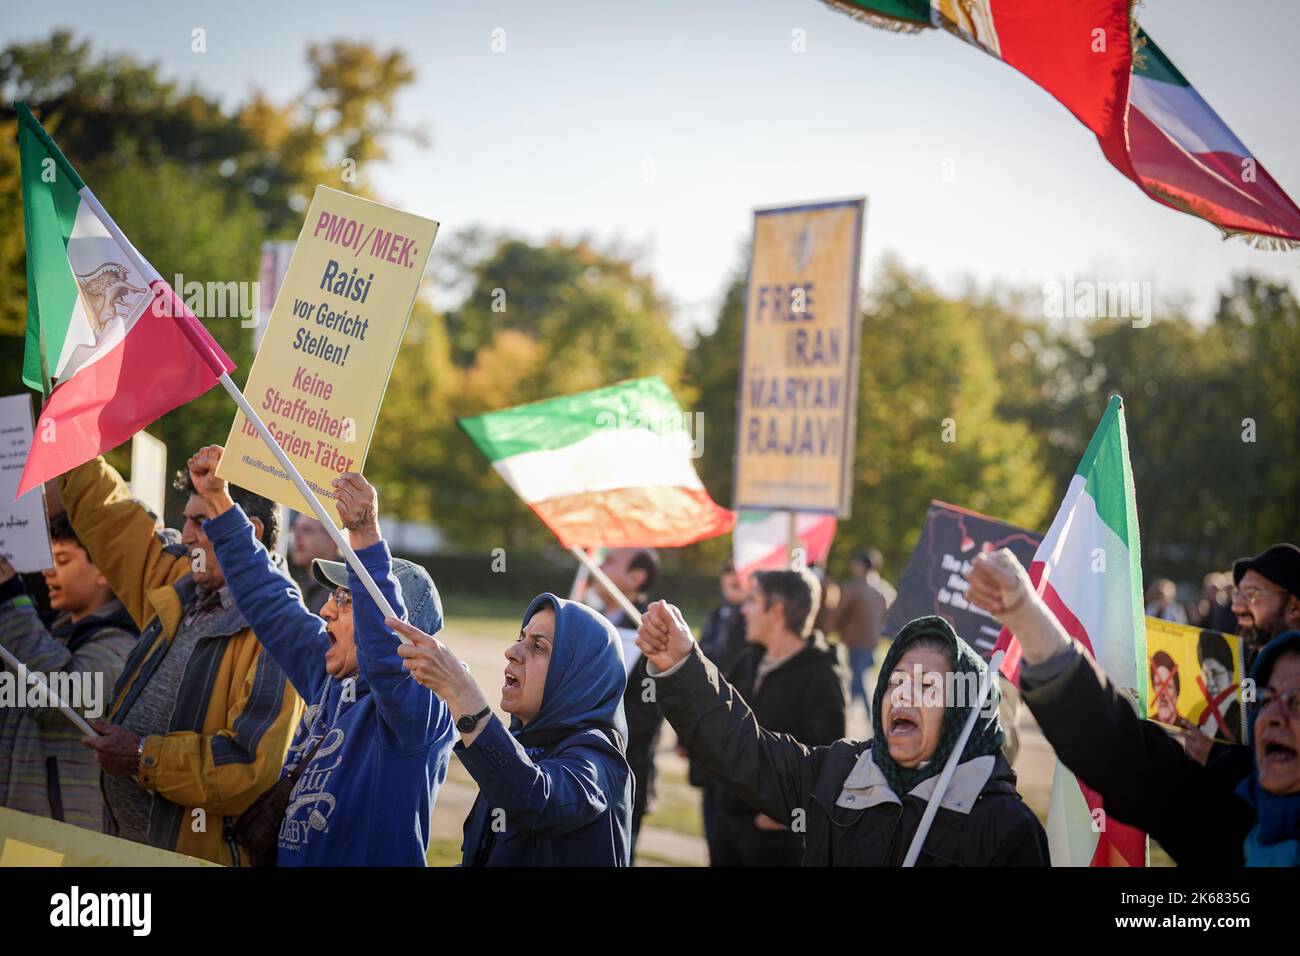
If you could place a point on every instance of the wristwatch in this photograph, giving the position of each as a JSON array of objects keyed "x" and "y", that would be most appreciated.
[
  {"x": 467, "y": 723},
  {"x": 139, "y": 758}
]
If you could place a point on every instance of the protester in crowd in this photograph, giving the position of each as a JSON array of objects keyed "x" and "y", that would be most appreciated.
[
  {"x": 723, "y": 640},
  {"x": 859, "y": 802},
  {"x": 790, "y": 677},
  {"x": 1162, "y": 602},
  {"x": 723, "y": 636},
  {"x": 43, "y": 767},
  {"x": 634, "y": 572},
  {"x": 200, "y": 718},
  {"x": 1213, "y": 611},
  {"x": 1266, "y": 596},
  {"x": 308, "y": 542},
  {"x": 376, "y": 743},
  {"x": 555, "y": 790},
  {"x": 1266, "y": 603},
  {"x": 1201, "y": 815},
  {"x": 858, "y": 617}
]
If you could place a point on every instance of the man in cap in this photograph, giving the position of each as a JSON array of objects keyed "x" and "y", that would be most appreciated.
[
  {"x": 1266, "y": 596},
  {"x": 374, "y": 745}
]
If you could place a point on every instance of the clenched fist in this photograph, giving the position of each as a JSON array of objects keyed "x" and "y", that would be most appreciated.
[
  {"x": 357, "y": 502},
  {"x": 664, "y": 636},
  {"x": 999, "y": 584},
  {"x": 214, "y": 491}
]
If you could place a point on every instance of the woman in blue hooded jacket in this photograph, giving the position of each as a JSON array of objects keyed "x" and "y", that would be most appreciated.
[{"x": 554, "y": 789}]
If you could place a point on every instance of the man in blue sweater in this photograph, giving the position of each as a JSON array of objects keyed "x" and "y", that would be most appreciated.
[{"x": 378, "y": 743}]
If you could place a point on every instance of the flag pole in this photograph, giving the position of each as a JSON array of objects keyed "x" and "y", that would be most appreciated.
[
  {"x": 936, "y": 798},
  {"x": 303, "y": 489},
  {"x": 216, "y": 365},
  {"x": 579, "y": 585},
  {"x": 21, "y": 670},
  {"x": 590, "y": 564}
]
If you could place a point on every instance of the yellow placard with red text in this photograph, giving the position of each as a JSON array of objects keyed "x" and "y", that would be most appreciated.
[
  {"x": 796, "y": 411},
  {"x": 320, "y": 374}
]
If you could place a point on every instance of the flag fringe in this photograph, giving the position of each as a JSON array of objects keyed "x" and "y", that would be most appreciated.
[
  {"x": 1259, "y": 241},
  {"x": 1137, "y": 40},
  {"x": 878, "y": 20},
  {"x": 1256, "y": 240}
]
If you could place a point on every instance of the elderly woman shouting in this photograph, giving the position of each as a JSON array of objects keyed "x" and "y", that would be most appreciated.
[
  {"x": 554, "y": 790},
  {"x": 859, "y": 803}
]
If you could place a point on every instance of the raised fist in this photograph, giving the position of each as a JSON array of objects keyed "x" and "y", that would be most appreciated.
[
  {"x": 357, "y": 502},
  {"x": 203, "y": 473},
  {"x": 664, "y": 637},
  {"x": 999, "y": 584}
]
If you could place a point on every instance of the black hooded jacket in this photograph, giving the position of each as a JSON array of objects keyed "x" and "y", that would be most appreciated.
[
  {"x": 805, "y": 787},
  {"x": 802, "y": 697}
]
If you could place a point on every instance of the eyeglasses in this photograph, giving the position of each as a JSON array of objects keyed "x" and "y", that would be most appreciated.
[
  {"x": 342, "y": 597},
  {"x": 1251, "y": 595},
  {"x": 1290, "y": 700}
]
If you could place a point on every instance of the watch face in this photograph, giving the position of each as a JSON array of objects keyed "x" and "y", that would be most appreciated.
[{"x": 466, "y": 724}]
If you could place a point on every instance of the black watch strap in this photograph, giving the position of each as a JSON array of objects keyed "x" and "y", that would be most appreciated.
[{"x": 468, "y": 722}]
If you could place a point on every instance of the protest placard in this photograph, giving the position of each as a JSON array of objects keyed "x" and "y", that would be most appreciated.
[
  {"x": 149, "y": 471},
  {"x": 934, "y": 581},
  {"x": 799, "y": 360},
  {"x": 1195, "y": 674},
  {"x": 319, "y": 377},
  {"x": 24, "y": 530}
]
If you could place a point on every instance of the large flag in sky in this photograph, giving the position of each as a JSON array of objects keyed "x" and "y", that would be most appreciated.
[
  {"x": 608, "y": 468},
  {"x": 761, "y": 540},
  {"x": 1151, "y": 123},
  {"x": 108, "y": 341},
  {"x": 1088, "y": 571}
]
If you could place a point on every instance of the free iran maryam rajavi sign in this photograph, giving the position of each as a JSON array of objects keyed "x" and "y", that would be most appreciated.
[{"x": 799, "y": 360}]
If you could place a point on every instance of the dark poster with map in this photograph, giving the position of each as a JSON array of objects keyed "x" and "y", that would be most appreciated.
[{"x": 935, "y": 579}]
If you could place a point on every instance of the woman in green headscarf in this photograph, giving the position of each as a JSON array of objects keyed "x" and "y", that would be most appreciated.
[{"x": 859, "y": 803}]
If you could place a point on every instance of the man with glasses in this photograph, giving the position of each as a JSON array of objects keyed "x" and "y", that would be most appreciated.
[
  {"x": 1266, "y": 603},
  {"x": 1266, "y": 599},
  {"x": 373, "y": 745},
  {"x": 1211, "y": 816}
]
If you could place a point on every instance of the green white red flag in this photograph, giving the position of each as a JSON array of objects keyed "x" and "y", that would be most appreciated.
[
  {"x": 108, "y": 340},
  {"x": 608, "y": 468},
  {"x": 1151, "y": 123},
  {"x": 761, "y": 540},
  {"x": 1088, "y": 570}
]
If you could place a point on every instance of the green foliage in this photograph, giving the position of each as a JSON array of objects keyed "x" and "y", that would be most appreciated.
[
  {"x": 929, "y": 426},
  {"x": 198, "y": 187},
  {"x": 537, "y": 321}
]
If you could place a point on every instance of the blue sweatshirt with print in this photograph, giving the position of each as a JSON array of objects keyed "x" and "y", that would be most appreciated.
[{"x": 366, "y": 797}]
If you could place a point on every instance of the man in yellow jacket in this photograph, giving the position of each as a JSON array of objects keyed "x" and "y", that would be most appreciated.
[{"x": 201, "y": 716}]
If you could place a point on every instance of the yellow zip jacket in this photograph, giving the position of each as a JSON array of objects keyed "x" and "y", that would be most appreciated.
[{"x": 235, "y": 710}]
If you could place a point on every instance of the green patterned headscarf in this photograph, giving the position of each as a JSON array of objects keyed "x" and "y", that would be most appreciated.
[{"x": 985, "y": 738}]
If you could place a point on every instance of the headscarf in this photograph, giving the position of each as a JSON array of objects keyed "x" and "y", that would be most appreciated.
[
  {"x": 585, "y": 679},
  {"x": 986, "y": 736},
  {"x": 1275, "y": 839}
]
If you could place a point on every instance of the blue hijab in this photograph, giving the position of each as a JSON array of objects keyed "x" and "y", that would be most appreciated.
[
  {"x": 1275, "y": 840},
  {"x": 584, "y": 681}
]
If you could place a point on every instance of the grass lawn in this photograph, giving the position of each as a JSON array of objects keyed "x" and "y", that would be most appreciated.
[{"x": 443, "y": 853}]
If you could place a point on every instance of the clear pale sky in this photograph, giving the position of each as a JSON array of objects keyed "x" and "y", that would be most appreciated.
[{"x": 555, "y": 134}]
